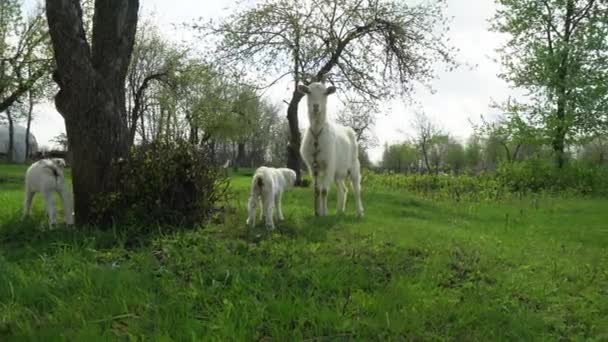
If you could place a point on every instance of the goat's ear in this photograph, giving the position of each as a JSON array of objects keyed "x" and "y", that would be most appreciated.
[
  {"x": 303, "y": 89},
  {"x": 330, "y": 90}
]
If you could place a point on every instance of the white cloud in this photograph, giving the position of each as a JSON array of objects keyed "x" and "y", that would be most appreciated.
[{"x": 460, "y": 95}]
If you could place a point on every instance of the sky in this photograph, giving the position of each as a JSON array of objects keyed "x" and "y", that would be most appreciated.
[{"x": 459, "y": 96}]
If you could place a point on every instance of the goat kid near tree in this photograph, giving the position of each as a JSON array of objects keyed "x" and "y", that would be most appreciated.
[
  {"x": 330, "y": 151},
  {"x": 267, "y": 187},
  {"x": 46, "y": 176}
]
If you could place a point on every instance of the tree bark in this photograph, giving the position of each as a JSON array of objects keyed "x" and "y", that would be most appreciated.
[
  {"x": 92, "y": 91},
  {"x": 30, "y": 109},
  {"x": 561, "y": 90},
  {"x": 10, "y": 154},
  {"x": 295, "y": 139},
  {"x": 240, "y": 154}
]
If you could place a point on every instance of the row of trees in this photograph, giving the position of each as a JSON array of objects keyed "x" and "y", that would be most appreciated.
[{"x": 507, "y": 140}]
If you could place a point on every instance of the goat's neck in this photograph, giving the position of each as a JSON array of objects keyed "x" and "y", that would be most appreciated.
[{"x": 317, "y": 126}]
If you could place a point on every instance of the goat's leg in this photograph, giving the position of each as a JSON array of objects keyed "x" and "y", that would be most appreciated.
[
  {"x": 251, "y": 207},
  {"x": 278, "y": 200},
  {"x": 67, "y": 206},
  {"x": 317, "y": 198},
  {"x": 342, "y": 191},
  {"x": 355, "y": 178},
  {"x": 49, "y": 200},
  {"x": 27, "y": 202},
  {"x": 324, "y": 189},
  {"x": 268, "y": 208},
  {"x": 261, "y": 205}
]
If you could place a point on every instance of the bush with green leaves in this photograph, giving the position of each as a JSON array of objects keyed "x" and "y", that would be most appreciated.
[
  {"x": 531, "y": 176},
  {"x": 458, "y": 188},
  {"x": 166, "y": 184},
  {"x": 537, "y": 175}
]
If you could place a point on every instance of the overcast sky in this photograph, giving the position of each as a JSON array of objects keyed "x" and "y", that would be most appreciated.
[{"x": 460, "y": 96}]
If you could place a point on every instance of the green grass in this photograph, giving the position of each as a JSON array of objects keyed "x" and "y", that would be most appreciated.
[{"x": 412, "y": 269}]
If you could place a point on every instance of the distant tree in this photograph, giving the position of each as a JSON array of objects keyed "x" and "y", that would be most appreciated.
[
  {"x": 473, "y": 153},
  {"x": 557, "y": 51},
  {"x": 360, "y": 116},
  {"x": 61, "y": 140},
  {"x": 400, "y": 157},
  {"x": 24, "y": 61},
  {"x": 595, "y": 151},
  {"x": 154, "y": 60},
  {"x": 455, "y": 157},
  {"x": 375, "y": 49},
  {"x": 427, "y": 134}
]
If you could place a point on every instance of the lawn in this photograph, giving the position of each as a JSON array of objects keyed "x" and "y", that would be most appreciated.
[{"x": 412, "y": 269}]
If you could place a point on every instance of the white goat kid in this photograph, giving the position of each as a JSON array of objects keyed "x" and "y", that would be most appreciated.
[
  {"x": 46, "y": 176},
  {"x": 330, "y": 151},
  {"x": 267, "y": 187}
]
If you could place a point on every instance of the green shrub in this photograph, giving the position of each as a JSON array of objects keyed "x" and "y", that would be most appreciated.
[
  {"x": 532, "y": 176},
  {"x": 537, "y": 175},
  {"x": 461, "y": 187},
  {"x": 167, "y": 184}
]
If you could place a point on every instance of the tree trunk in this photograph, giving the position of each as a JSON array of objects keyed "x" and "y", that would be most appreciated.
[
  {"x": 29, "y": 124},
  {"x": 144, "y": 138},
  {"x": 212, "y": 151},
  {"x": 295, "y": 139},
  {"x": 10, "y": 154},
  {"x": 240, "y": 154},
  {"x": 559, "y": 136},
  {"x": 92, "y": 92},
  {"x": 426, "y": 158}
]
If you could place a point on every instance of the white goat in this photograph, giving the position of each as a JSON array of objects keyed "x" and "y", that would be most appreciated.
[
  {"x": 330, "y": 151},
  {"x": 46, "y": 176},
  {"x": 267, "y": 187}
]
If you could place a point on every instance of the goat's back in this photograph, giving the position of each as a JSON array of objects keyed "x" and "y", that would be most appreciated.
[{"x": 43, "y": 176}]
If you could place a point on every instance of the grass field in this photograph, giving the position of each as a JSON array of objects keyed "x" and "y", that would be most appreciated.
[{"x": 412, "y": 269}]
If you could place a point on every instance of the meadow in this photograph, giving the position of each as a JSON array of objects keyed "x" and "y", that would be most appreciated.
[{"x": 531, "y": 267}]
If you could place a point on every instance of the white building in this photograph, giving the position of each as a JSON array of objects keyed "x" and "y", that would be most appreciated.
[{"x": 18, "y": 143}]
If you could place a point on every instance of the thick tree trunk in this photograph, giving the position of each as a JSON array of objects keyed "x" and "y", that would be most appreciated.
[
  {"x": 92, "y": 92},
  {"x": 295, "y": 139},
  {"x": 10, "y": 154}
]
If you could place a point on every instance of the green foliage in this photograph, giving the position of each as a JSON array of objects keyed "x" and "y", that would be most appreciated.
[
  {"x": 536, "y": 175},
  {"x": 556, "y": 51},
  {"x": 25, "y": 56},
  {"x": 400, "y": 157},
  {"x": 164, "y": 184},
  {"x": 469, "y": 188}
]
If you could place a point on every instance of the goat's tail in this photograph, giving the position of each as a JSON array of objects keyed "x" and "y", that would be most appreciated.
[{"x": 258, "y": 183}]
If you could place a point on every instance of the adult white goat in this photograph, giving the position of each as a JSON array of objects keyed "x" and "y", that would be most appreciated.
[
  {"x": 267, "y": 187},
  {"x": 330, "y": 151},
  {"x": 46, "y": 176}
]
